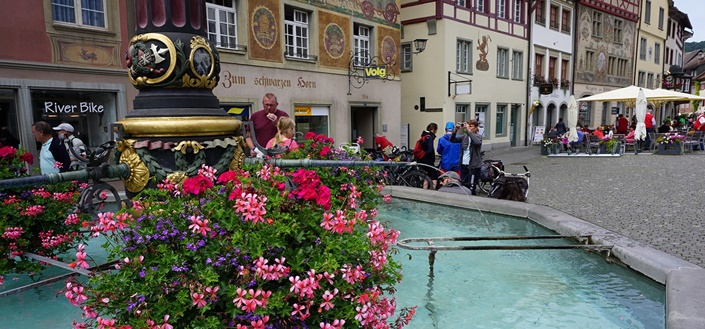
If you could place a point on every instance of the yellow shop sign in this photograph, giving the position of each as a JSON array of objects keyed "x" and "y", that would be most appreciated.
[
  {"x": 302, "y": 111},
  {"x": 376, "y": 72}
]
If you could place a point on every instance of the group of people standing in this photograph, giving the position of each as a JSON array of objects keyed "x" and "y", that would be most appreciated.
[
  {"x": 273, "y": 127},
  {"x": 459, "y": 149},
  {"x": 60, "y": 153}
]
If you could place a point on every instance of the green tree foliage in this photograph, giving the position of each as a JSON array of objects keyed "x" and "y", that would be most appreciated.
[{"x": 690, "y": 46}]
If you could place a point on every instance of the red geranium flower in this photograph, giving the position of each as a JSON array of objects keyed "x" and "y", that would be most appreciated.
[
  {"x": 324, "y": 151},
  {"x": 7, "y": 152},
  {"x": 197, "y": 184},
  {"x": 228, "y": 176},
  {"x": 27, "y": 158}
]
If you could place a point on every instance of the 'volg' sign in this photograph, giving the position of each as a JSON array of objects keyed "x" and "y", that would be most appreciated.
[{"x": 376, "y": 72}]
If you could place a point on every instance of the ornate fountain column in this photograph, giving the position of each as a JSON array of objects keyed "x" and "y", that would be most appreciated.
[{"x": 177, "y": 124}]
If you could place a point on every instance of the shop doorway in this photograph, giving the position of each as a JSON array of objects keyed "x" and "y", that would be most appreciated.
[
  {"x": 514, "y": 125},
  {"x": 9, "y": 123},
  {"x": 89, "y": 112},
  {"x": 550, "y": 116},
  {"x": 363, "y": 121}
]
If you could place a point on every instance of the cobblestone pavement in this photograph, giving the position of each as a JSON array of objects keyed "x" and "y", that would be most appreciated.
[{"x": 654, "y": 199}]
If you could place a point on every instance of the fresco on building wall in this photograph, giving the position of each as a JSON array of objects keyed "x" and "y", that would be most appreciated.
[
  {"x": 483, "y": 47},
  {"x": 334, "y": 30},
  {"x": 380, "y": 11},
  {"x": 388, "y": 43},
  {"x": 604, "y": 45},
  {"x": 70, "y": 51},
  {"x": 264, "y": 42}
]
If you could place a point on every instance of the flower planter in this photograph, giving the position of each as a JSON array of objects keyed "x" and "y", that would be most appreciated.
[
  {"x": 615, "y": 149},
  {"x": 544, "y": 150},
  {"x": 670, "y": 149}
]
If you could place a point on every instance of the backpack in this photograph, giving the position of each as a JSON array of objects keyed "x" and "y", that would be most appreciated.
[
  {"x": 419, "y": 152},
  {"x": 487, "y": 173}
]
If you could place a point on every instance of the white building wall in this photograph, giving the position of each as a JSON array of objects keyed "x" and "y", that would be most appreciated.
[{"x": 551, "y": 42}]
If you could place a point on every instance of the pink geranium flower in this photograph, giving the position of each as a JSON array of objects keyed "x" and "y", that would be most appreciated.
[
  {"x": 199, "y": 225},
  {"x": 198, "y": 300}
]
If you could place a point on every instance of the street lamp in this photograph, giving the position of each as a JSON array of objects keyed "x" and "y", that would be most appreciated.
[{"x": 420, "y": 45}]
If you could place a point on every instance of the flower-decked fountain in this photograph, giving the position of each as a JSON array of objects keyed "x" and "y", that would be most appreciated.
[{"x": 210, "y": 239}]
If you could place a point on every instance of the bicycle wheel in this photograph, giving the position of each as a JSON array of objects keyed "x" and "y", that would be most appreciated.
[
  {"x": 415, "y": 178},
  {"x": 485, "y": 187}
]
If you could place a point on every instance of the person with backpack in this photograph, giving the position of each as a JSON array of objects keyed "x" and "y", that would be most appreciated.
[
  {"x": 424, "y": 153},
  {"x": 470, "y": 161}
]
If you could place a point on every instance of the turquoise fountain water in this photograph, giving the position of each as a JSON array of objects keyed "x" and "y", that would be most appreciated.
[{"x": 513, "y": 288}]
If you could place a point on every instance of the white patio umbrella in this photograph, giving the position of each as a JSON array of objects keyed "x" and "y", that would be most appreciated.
[
  {"x": 572, "y": 119},
  {"x": 640, "y": 112},
  {"x": 628, "y": 95},
  {"x": 677, "y": 95}
]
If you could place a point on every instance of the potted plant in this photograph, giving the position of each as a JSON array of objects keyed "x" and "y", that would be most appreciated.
[
  {"x": 259, "y": 247},
  {"x": 538, "y": 80},
  {"x": 41, "y": 220},
  {"x": 610, "y": 146},
  {"x": 547, "y": 146},
  {"x": 670, "y": 145},
  {"x": 565, "y": 84}
]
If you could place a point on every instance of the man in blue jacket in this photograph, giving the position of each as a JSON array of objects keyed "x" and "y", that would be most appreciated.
[{"x": 449, "y": 151}]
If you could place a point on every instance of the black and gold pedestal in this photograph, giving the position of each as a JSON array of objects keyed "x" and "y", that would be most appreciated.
[{"x": 177, "y": 124}]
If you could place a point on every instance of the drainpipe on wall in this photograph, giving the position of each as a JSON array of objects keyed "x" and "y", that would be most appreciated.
[
  {"x": 575, "y": 46},
  {"x": 637, "y": 42},
  {"x": 529, "y": 102}
]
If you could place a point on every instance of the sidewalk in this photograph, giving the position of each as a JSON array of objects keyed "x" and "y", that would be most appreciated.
[{"x": 654, "y": 199}]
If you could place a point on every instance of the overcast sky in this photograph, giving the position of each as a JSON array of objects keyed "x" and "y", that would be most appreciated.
[{"x": 696, "y": 14}]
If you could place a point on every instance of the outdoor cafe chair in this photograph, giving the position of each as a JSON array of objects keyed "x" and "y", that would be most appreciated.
[
  {"x": 653, "y": 136},
  {"x": 592, "y": 141},
  {"x": 623, "y": 142},
  {"x": 690, "y": 142}
]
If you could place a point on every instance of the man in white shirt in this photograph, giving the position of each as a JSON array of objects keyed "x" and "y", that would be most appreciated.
[{"x": 53, "y": 157}]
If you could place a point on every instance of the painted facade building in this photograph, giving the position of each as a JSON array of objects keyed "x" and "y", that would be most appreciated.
[
  {"x": 64, "y": 62},
  {"x": 604, "y": 50},
  {"x": 332, "y": 64},
  {"x": 679, "y": 30},
  {"x": 552, "y": 60},
  {"x": 651, "y": 41},
  {"x": 475, "y": 66}
]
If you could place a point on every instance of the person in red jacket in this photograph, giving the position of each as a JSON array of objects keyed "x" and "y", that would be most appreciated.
[
  {"x": 649, "y": 122},
  {"x": 699, "y": 123},
  {"x": 622, "y": 124}
]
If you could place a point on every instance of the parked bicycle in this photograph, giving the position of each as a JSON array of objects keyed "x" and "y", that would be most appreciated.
[
  {"x": 489, "y": 170},
  {"x": 408, "y": 175},
  {"x": 509, "y": 186}
]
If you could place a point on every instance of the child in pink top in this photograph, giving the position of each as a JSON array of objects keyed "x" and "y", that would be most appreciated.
[{"x": 285, "y": 127}]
